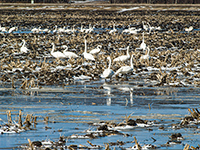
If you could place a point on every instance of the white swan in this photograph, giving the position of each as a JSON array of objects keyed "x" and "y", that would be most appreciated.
[
  {"x": 145, "y": 27},
  {"x": 127, "y": 30},
  {"x": 46, "y": 30},
  {"x": 56, "y": 54},
  {"x": 150, "y": 28},
  {"x": 146, "y": 57},
  {"x": 143, "y": 45},
  {"x": 189, "y": 29},
  {"x": 24, "y": 49},
  {"x": 61, "y": 30},
  {"x": 108, "y": 73},
  {"x": 133, "y": 31},
  {"x": 130, "y": 30},
  {"x": 86, "y": 55},
  {"x": 123, "y": 57},
  {"x": 12, "y": 29},
  {"x": 113, "y": 30},
  {"x": 36, "y": 30},
  {"x": 96, "y": 50},
  {"x": 55, "y": 29},
  {"x": 3, "y": 29},
  {"x": 82, "y": 29},
  {"x": 90, "y": 29},
  {"x": 69, "y": 54},
  {"x": 125, "y": 69},
  {"x": 70, "y": 30}
]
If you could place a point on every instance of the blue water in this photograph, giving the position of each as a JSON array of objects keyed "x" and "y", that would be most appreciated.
[
  {"x": 96, "y": 31},
  {"x": 72, "y": 107}
]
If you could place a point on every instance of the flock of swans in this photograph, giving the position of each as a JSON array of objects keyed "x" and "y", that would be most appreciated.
[
  {"x": 89, "y": 56},
  {"x": 70, "y": 30},
  {"x": 123, "y": 57},
  {"x": 130, "y": 30},
  {"x": 107, "y": 73},
  {"x": 10, "y": 30},
  {"x": 124, "y": 70},
  {"x": 117, "y": 61}
]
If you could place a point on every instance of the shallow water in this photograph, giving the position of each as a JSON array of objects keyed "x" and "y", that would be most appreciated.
[{"x": 71, "y": 108}]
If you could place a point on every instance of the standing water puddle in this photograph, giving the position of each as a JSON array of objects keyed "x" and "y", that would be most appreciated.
[{"x": 75, "y": 108}]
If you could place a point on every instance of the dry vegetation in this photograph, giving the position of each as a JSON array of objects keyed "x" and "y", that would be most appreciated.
[{"x": 170, "y": 47}]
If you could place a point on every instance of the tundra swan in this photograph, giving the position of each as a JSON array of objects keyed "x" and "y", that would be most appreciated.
[
  {"x": 24, "y": 49},
  {"x": 96, "y": 50},
  {"x": 56, "y": 54},
  {"x": 69, "y": 54},
  {"x": 113, "y": 30},
  {"x": 143, "y": 45},
  {"x": 108, "y": 73},
  {"x": 123, "y": 57},
  {"x": 146, "y": 57},
  {"x": 189, "y": 29},
  {"x": 86, "y": 55},
  {"x": 125, "y": 69}
]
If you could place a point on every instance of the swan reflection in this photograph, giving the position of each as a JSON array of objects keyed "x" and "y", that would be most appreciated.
[
  {"x": 128, "y": 89},
  {"x": 108, "y": 92}
]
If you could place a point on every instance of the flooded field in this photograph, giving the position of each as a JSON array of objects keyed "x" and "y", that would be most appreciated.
[{"x": 89, "y": 100}]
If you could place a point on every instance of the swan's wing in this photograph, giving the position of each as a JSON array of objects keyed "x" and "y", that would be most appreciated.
[
  {"x": 24, "y": 50},
  {"x": 107, "y": 73},
  {"x": 89, "y": 56},
  {"x": 94, "y": 51},
  {"x": 127, "y": 69},
  {"x": 118, "y": 71},
  {"x": 118, "y": 58},
  {"x": 70, "y": 54},
  {"x": 121, "y": 58}
]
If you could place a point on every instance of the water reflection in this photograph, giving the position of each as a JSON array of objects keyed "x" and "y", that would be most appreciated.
[
  {"x": 112, "y": 88},
  {"x": 108, "y": 101},
  {"x": 128, "y": 89},
  {"x": 108, "y": 93},
  {"x": 131, "y": 96},
  {"x": 71, "y": 106}
]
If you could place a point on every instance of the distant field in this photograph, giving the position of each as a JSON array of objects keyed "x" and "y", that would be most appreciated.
[{"x": 98, "y": 6}]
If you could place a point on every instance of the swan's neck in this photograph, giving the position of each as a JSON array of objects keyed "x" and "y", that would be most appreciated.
[
  {"x": 149, "y": 25},
  {"x": 143, "y": 36},
  {"x": 23, "y": 44},
  {"x": 53, "y": 48},
  {"x": 109, "y": 63},
  {"x": 66, "y": 49},
  {"x": 131, "y": 61},
  {"x": 85, "y": 46},
  {"x": 148, "y": 51},
  {"x": 127, "y": 52},
  {"x": 55, "y": 28}
]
